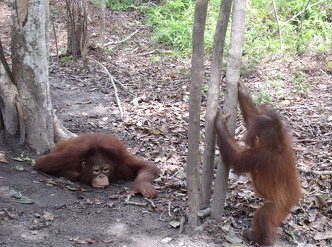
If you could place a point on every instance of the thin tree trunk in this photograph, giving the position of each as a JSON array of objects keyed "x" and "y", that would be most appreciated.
[
  {"x": 230, "y": 99},
  {"x": 8, "y": 110},
  {"x": 212, "y": 101},
  {"x": 102, "y": 24},
  {"x": 76, "y": 28},
  {"x": 278, "y": 23},
  {"x": 197, "y": 72}
]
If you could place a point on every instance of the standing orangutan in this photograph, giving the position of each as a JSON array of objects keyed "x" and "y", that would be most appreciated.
[
  {"x": 270, "y": 160},
  {"x": 97, "y": 160}
]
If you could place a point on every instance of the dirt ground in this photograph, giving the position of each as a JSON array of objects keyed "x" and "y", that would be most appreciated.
[{"x": 153, "y": 88}]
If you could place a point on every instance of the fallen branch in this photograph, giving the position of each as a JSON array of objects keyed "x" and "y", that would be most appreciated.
[
  {"x": 147, "y": 53},
  {"x": 169, "y": 209},
  {"x": 150, "y": 201},
  {"x": 122, "y": 41},
  {"x": 113, "y": 84},
  {"x": 316, "y": 141},
  {"x": 161, "y": 216},
  {"x": 316, "y": 172}
]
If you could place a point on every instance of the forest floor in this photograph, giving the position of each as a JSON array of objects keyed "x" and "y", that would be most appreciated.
[{"x": 40, "y": 210}]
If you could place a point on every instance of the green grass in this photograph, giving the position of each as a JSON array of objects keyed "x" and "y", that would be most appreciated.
[{"x": 173, "y": 21}]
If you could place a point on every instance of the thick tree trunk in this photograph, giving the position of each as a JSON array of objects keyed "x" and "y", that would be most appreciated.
[
  {"x": 197, "y": 72},
  {"x": 30, "y": 38},
  {"x": 25, "y": 104},
  {"x": 212, "y": 101}
]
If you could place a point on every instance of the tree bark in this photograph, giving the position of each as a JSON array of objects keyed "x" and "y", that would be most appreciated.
[
  {"x": 9, "y": 115},
  {"x": 30, "y": 38},
  {"x": 25, "y": 103},
  {"x": 212, "y": 101},
  {"x": 230, "y": 99},
  {"x": 76, "y": 28},
  {"x": 102, "y": 24},
  {"x": 197, "y": 72}
]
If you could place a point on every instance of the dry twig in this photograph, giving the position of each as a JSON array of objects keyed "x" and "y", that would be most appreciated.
[
  {"x": 127, "y": 201},
  {"x": 150, "y": 201},
  {"x": 113, "y": 84},
  {"x": 121, "y": 41},
  {"x": 316, "y": 172},
  {"x": 169, "y": 209},
  {"x": 316, "y": 141}
]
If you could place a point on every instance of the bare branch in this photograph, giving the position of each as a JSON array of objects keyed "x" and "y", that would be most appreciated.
[
  {"x": 312, "y": 5},
  {"x": 113, "y": 84},
  {"x": 122, "y": 41},
  {"x": 278, "y": 22},
  {"x": 316, "y": 172}
]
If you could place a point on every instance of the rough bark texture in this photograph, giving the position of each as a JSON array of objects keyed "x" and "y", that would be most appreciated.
[
  {"x": 212, "y": 101},
  {"x": 9, "y": 116},
  {"x": 30, "y": 38},
  {"x": 76, "y": 27},
  {"x": 60, "y": 132},
  {"x": 193, "y": 160},
  {"x": 230, "y": 100}
]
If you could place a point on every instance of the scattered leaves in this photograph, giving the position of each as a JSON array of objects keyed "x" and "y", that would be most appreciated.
[
  {"x": 3, "y": 157},
  {"x": 18, "y": 195},
  {"x": 22, "y": 158},
  {"x": 20, "y": 168},
  {"x": 48, "y": 216}
]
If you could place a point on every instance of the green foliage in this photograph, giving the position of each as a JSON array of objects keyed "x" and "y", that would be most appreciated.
[
  {"x": 301, "y": 86},
  {"x": 117, "y": 4},
  {"x": 263, "y": 38},
  {"x": 66, "y": 59},
  {"x": 329, "y": 65},
  {"x": 22, "y": 158},
  {"x": 262, "y": 97},
  {"x": 172, "y": 21}
]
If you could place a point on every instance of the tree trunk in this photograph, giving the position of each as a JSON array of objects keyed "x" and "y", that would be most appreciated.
[
  {"x": 76, "y": 28},
  {"x": 30, "y": 38},
  {"x": 212, "y": 101},
  {"x": 9, "y": 116},
  {"x": 197, "y": 72},
  {"x": 230, "y": 100},
  {"x": 25, "y": 103},
  {"x": 102, "y": 24}
]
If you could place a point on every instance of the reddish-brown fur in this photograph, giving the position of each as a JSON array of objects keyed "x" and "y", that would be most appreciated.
[
  {"x": 270, "y": 160},
  {"x": 70, "y": 157}
]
